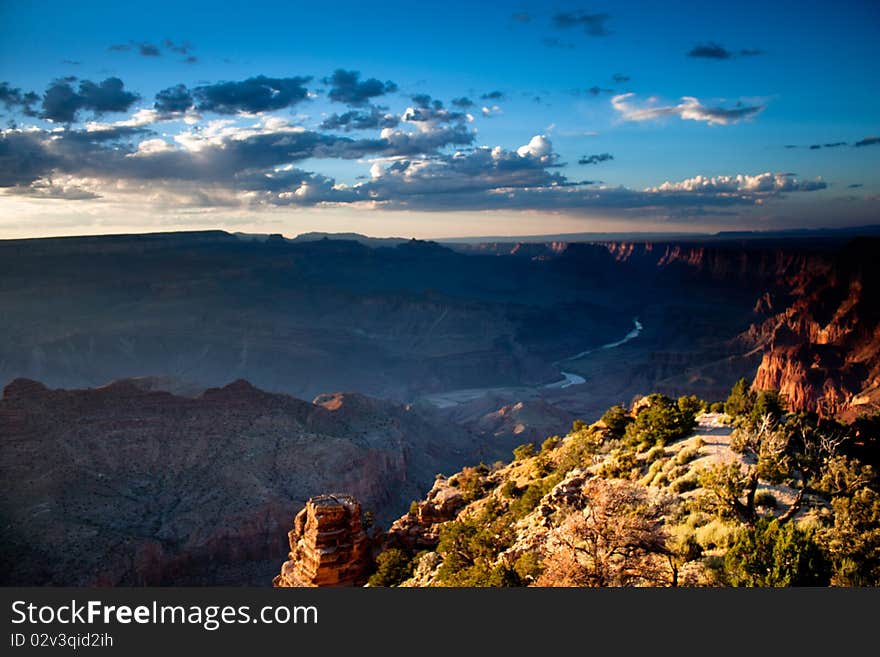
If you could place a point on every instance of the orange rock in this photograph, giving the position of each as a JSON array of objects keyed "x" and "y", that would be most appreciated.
[{"x": 328, "y": 545}]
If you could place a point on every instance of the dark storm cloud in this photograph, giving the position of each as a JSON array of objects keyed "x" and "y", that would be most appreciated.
[
  {"x": 191, "y": 59},
  {"x": 595, "y": 91},
  {"x": 463, "y": 102},
  {"x": 173, "y": 99},
  {"x": 345, "y": 87},
  {"x": 119, "y": 47},
  {"x": 62, "y": 102},
  {"x": 620, "y": 78},
  {"x": 14, "y": 99},
  {"x": 867, "y": 141},
  {"x": 750, "y": 52},
  {"x": 854, "y": 186},
  {"x": 710, "y": 50},
  {"x": 259, "y": 94},
  {"x": 493, "y": 95},
  {"x": 835, "y": 144},
  {"x": 595, "y": 159},
  {"x": 360, "y": 120},
  {"x": 815, "y": 147},
  {"x": 592, "y": 24}
]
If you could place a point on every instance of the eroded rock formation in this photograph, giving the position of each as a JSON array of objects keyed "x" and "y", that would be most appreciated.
[
  {"x": 328, "y": 545},
  {"x": 823, "y": 350}
]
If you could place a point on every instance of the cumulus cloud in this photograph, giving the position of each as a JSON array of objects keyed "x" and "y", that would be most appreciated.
[
  {"x": 62, "y": 102},
  {"x": 493, "y": 95},
  {"x": 592, "y": 24},
  {"x": 257, "y": 94},
  {"x": 360, "y": 120},
  {"x": 761, "y": 183},
  {"x": 346, "y": 87},
  {"x": 689, "y": 108},
  {"x": 595, "y": 159},
  {"x": 219, "y": 152},
  {"x": 428, "y": 111},
  {"x": 174, "y": 99},
  {"x": 463, "y": 102}
]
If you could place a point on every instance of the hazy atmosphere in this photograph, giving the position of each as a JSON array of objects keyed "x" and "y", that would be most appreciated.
[{"x": 515, "y": 119}]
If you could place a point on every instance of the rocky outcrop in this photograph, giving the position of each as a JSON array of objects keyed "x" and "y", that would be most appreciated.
[
  {"x": 328, "y": 545},
  {"x": 823, "y": 350},
  {"x": 420, "y": 528}
]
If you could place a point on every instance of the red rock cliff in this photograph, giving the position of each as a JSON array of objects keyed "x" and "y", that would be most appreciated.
[{"x": 823, "y": 350}]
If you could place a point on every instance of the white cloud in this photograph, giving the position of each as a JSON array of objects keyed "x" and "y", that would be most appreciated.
[
  {"x": 152, "y": 146},
  {"x": 689, "y": 108},
  {"x": 761, "y": 183},
  {"x": 539, "y": 147}
]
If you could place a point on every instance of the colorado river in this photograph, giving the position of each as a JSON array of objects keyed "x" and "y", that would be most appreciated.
[
  {"x": 572, "y": 379},
  {"x": 456, "y": 397}
]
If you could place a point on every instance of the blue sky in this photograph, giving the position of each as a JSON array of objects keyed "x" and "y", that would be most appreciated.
[{"x": 578, "y": 117}]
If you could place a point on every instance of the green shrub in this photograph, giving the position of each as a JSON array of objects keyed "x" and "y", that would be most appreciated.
[
  {"x": 691, "y": 404},
  {"x": 617, "y": 419},
  {"x": 470, "y": 545},
  {"x": 687, "y": 454},
  {"x": 684, "y": 484},
  {"x": 654, "y": 454},
  {"x": 394, "y": 566},
  {"x": 716, "y": 534},
  {"x": 509, "y": 489},
  {"x": 413, "y": 508},
  {"x": 528, "y": 567},
  {"x": 577, "y": 453},
  {"x": 524, "y": 452},
  {"x": 769, "y": 555},
  {"x": 619, "y": 465},
  {"x": 716, "y": 407},
  {"x": 550, "y": 444},
  {"x": 661, "y": 422},
  {"x": 472, "y": 483},
  {"x": 741, "y": 399},
  {"x": 528, "y": 501}
]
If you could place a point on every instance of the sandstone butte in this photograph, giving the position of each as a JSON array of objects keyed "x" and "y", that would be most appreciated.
[{"x": 328, "y": 545}]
